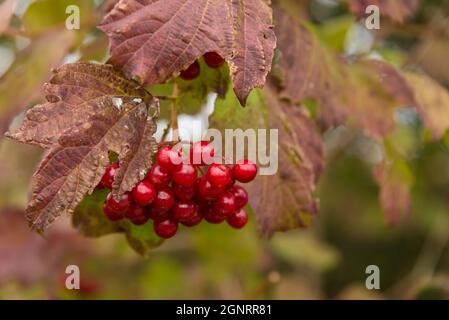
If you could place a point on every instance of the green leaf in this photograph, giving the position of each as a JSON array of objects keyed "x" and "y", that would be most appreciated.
[{"x": 141, "y": 238}]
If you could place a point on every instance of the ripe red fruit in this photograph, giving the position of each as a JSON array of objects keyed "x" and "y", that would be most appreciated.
[
  {"x": 158, "y": 177},
  {"x": 207, "y": 191},
  {"x": 241, "y": 196},
  {"x": 225, "y": 204},
  {"x": 164, "y": 201},
  {"x": 137, "y": 215},
  {"x": 109, "y": 174},
  {"x": 202, "y": 153},
  {"x": 213, "y": 59},
  {"x": 186, "y": 175},
  {"x": 244, "y": 171},
  {"x": 144, "y": 193},
  {"x": 212, "y": 217},
  {"x": 156, "y": 215},
  {"x": 166, "y": 229},
  {"x": 238, "y": 219},
  {"x": 219, "y": 175},
  {"x": 113, "y": 216},
  {"x": 194, "y": 220},
  {"x": 169, "y": 159},
  {"x": 184, "y": 193},
  {"x": 183, "y": 210},
  {"x": 192, "y": 72},
  {"x": 120, "y": 206}
]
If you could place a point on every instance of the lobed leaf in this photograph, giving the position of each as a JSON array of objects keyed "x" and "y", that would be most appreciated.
[
  {"x": 155, "y": 39},
  {"x": 90, "y": 110}
]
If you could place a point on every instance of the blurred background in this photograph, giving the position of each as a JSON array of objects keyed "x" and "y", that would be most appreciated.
[{"x": 326, "y": 261}]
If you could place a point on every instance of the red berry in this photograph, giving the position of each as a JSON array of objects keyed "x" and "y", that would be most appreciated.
[
  {"x": 186, "y": 175},
  {"x": 164, "y": 201},
  {"x": 113, "y": 216},
  {"x": 120, "y": 206},
  {"x": 137, "y": 215},
  {"x": 192, "y": 72},
  {"x": 202, "y": 153},
  {"x": 238, "y": 220},
  {"x": 207, "y": 191},
  {"x": 244, "y": 171},
  {"x": 184, "y": 193},
  {"x": 194, "y": 220},
  {"x": 219, "y": 175},
  {"x": 156, "y": 215},
  {"x": 213, "y": 59},
  {"x": 158, "y": 177},
  {"x": 183, "y": 211},
  {"x": 144, "y": 193},
  {"x": 109, "y": 174},
  {"x": 241, "y": 196},
  {"x": 225, "y": 204},
  {"x": 169, "y": 158},
  {"x": 213, "y": 217},
  {"x": 166, "y": 229}
]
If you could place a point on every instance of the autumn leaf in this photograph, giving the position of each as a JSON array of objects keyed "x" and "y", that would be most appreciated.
[
  {"x": 155, "y": 40},
  {"x": 285, "y": 200},
  {"x": 306, "y": 69},
  {"x": 90, "y": 110},
  {"x": 397, "y": 10},
  {"x": 432, "y": 102}
]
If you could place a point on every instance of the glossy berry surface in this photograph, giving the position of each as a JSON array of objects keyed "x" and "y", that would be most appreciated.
[
  {"x": 202, "y": 153},
  {"x": 212, "y": 217},
  {"x": 241, "y": 196},
  {"x": 166, "y": 229},
  {"x": 207, "y": 191},
  {"x": 137, "y": 215},
  {"x": 244, "y": 171},
  {"x": 213, "y": 59},
  {"x": 184, "y": 193},
  {"x": 158, "y": 177},
  {"x": 219, "y": 175},
  {"x": 144, "y": 193},
  {"x": 164, "y": 201},
  {"x": 109, "y": 174},
  {"x": 194, "y": 220},
  {"x": 192, "y": 72},
  {"x": 238, "y": 219},
  {"x": 113, "y": 216},
  {"x": 186, "y": 175},
  {"x": 169, "y": 159},
  {"x": 120, "y": 206},
  {"x": 183, "y": 210},
  {"x": 225, "y": 204}
]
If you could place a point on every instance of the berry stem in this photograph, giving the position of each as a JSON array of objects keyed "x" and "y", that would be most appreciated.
[{"x": 173, "y": 117}]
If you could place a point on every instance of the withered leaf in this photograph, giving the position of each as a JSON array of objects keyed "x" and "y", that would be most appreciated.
[
  {"x": 397, "y": 10},
  {"x": 286, "y": 201},
  {"x": 90, "y": 110},
  {"x": 156, "y": 39},
  {"x": 307, "y": 70}
]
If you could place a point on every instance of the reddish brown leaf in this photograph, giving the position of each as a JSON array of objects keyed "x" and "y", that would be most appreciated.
[
  {"x": 307, "y": 70},
  {"x": 396, "y": 10},
  {"x": 285, "y": 201},
  {"x": 155, "y": 39},
  {"x": 91, "y": 110}
]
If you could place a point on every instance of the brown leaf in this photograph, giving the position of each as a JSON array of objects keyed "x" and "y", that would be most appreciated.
[
  {"x": 432, "y": 102},
  {"x": 155, "y": 39},
  {"x": 396, "y": 10},
  {"x": 29, "y": 71},
  {"x": 307, "y": 69},
  {"x": 91, "y": 110},
  {"x": 285, "y": 201}
]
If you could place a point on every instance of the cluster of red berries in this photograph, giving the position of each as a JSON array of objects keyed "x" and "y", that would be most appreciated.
[
  {"x": 174, "y": 192},
  {"x": 212, "y": 59}
]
